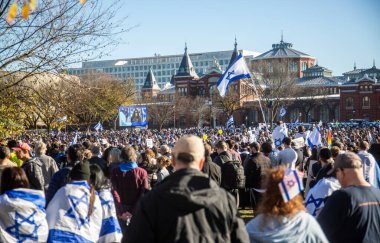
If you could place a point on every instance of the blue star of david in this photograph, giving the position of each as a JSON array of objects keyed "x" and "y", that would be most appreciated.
[
  {"x": 106, "y": 202},
  {"x": 19, "y": 221},
  {"x": 317, "y": 203},
  {"x": 229, "y": 74},
  {"x": 277, "y": 142},
  {"x": 290, "y": 183},
  {"x": 72, "y": 213}
]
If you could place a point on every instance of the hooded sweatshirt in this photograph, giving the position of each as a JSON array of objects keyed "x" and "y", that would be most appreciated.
[
  {"x": 187, "y": 206},
  {"x": 301, "y": 227}
]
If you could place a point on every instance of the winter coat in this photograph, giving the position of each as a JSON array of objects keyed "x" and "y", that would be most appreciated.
[
  {"x": 129, "y": 183},
  {"x": 254, "y": 169},
  {"x": 212, "y": 170},
  {"x": 34, "y": 171},
  {"x": 49, "y": 168},
  {"x": 186, "y": 207}
]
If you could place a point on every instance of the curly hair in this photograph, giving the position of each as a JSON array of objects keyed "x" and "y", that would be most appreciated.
[{"x": 272, "y": 203}]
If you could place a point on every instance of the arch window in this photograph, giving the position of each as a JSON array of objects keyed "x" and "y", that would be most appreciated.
[
  {"x": 349, "y": 103},
  {"x": 366, "y": 102}
]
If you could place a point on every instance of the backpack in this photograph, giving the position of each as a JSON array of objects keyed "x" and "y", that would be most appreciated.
[{"x": 232, "y": 174}]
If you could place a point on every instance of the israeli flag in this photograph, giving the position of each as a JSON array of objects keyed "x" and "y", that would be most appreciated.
[
  {"x": 314, "y": 138},
  {"x": 282, "y": 112},
  {"x": 237, "y": 70},
  {"x": 98, "y": 127},
  {"x": 75, "y": 138},
  {"x": 230, "y": 121},
  {"x": 291, "y": 185},
  {"x": 67, "y": 214},
  {"x": 279, "y": 133},
  {"x": 110, "y": 230},
  {"x": 316, "y": 196},
  {"x": 22, "y": 216}
]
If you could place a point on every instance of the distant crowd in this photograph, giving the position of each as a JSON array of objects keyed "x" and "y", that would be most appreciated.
[{"x": 186, "y": 185}]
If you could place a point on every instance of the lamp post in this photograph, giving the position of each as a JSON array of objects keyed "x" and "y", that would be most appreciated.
[
  {"x": 210, "y": 104},
  {"x": 353, "y": 114},
  {"x": 246, "y": 121}
]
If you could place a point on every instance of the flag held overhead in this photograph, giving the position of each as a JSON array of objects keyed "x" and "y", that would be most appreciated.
[{"x": 237, "y": 70}]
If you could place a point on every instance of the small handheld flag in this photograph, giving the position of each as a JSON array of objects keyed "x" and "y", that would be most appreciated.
[
  {"x": 291, "y": 185},
  {"x": 282, "y": 112},
  {"x": 237, "y": 70},
  {"x": 75, "y": 138},
  {"x": 230, "y": 121},
  {"x": 98, "y": 126}
]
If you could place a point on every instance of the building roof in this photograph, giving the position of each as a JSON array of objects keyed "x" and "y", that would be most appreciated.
[
  {"x": 234, "y": 55},
  {"x": 355, "y": 71},
  {"x": 282, "y": 50},
  {"x": 186, "y": 68},
  {"x": 319, "y": 81},
  {"x": 316, "y": 68},
  {"x": 150, "y": 81},
  {"x": 356, "y": 81}
]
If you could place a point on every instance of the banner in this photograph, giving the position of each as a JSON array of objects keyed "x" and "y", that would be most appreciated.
[{"x": 132, "y": 116}]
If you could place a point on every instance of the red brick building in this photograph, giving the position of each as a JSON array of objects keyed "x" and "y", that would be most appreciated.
[
  {"x": 360, "y": 99},
  {"x": 283, "y": 53}
]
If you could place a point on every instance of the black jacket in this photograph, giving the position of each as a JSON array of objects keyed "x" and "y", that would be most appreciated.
[
  {"x": 212, "y": 170},
  {"x": 255, "y": 167},
  {"x": 186, "y": 207}
]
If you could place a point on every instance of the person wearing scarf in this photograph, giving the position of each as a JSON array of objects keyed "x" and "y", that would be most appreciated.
[
  {"x": 129, "y": 183},
  {"x": 22, "y": 210},
  {"x": 75, "y": 212}
]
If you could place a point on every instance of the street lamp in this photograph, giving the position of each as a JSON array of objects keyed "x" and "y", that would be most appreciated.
[
  {"x": 246, "y": 121},
  {"x": 353, "y": 114},
  {"x": 210, "y": 104}
]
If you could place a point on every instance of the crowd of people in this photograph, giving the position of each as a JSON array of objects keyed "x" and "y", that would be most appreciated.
[{"x": 186, "y": 185}]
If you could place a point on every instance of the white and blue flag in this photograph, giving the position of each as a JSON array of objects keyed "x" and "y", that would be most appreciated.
[
  {"x": 98, "y": 126},
  {"x": 68, "y": 214},
  {"x": 314, "y": 138},
  {"x": 110, "y": 230},
  {"x": 22, "y": 216},
  {"x": 279, "y": 133},
  {"x": 237, "y": 70},
  {"x": 75, "y": 138},
  {"x": 282, "y": 111},
  {"x": 315, "y": 199},
  {"x": 230, "y": 121},
  {"x": 291, "y": 185}
]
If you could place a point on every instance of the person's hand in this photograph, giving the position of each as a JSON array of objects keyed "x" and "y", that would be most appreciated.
[{"x": 125, "y": 216}]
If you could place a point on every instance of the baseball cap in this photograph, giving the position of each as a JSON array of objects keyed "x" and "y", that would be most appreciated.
[
  {"x": 23, "y": 146},
  {"x": 348, "y": 160},
  {"x": 189, "y": 149}
]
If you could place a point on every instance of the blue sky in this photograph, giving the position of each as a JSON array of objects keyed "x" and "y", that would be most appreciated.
[{"x": 336, "y": 32}]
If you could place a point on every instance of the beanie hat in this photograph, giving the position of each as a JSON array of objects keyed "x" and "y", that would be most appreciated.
[{"x": 80, "y": 172}]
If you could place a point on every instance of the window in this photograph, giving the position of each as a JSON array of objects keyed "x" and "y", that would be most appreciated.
[
  {"x": 270, "y": 68},
  {"x": 293, "y": 67},
  {"x": 366, "y": 102},
  {"x": 349, "y": 103}
]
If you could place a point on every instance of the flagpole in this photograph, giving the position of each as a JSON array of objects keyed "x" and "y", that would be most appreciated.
[{"x": 257, "y": 93}]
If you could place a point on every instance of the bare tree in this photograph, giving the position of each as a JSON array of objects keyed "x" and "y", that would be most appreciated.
[
  {"x": 57, "y": 34},
  {"x": 160, "y": 112},
  {"x": 276, "y": 83}
]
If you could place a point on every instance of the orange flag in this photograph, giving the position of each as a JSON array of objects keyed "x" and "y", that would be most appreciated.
[
  {"x": 12, "y": 12},
  {"x": 25, "y": 11}
]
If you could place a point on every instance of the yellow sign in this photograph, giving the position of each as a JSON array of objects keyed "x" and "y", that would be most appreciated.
[
  {"x": 220, "y": 131},
  {"x": 204, "y": 136}
]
